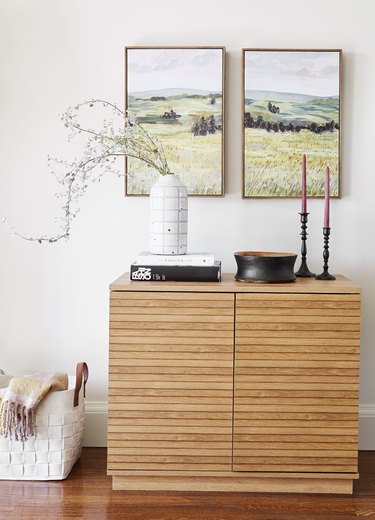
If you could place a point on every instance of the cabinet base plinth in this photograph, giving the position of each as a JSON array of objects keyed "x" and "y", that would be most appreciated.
[{"x": 233, "y": 484}]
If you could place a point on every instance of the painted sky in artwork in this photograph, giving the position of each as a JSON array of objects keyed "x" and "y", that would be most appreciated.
[
  {"x": 155, "y": 69},
  {"x": 309, "y": 73}
]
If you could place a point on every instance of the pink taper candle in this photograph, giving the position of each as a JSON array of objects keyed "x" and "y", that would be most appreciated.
[
  {"x": 326, "y": 199},
  {"x": 303, "y": 201}
]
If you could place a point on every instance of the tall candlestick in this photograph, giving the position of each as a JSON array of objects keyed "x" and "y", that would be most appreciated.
[
  {"x": 325, "y": 275},
  {"x": 326, "y": 199},
  {"x": 304, "y": 271},
  {"x": 303, "y": 200}
]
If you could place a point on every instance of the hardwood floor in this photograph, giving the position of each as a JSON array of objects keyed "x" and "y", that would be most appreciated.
[{"x": 87, "y": 494}]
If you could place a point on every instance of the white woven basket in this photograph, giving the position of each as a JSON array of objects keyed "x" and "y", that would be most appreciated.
[{"x": 57, "y": 444}]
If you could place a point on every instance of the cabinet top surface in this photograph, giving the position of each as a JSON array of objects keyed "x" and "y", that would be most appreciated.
[{"x": 229, "y": 285}]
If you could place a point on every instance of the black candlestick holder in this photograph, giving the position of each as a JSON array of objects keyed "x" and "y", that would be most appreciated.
[
  {"x": 325, "y": 274},
  {"x": 303, "y": 271}
]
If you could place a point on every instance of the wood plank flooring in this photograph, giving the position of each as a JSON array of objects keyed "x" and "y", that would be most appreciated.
[{"x": 87, "y": 494}]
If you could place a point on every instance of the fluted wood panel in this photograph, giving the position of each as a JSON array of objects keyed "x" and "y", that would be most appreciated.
[
  {"x": 296, "y": 382},
  {"x": 171, "y": 381}
]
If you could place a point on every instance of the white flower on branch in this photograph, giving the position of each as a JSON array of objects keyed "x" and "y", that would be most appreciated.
[{"x": 119, "y": 136}]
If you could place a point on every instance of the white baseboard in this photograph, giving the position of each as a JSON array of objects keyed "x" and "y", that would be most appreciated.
[
  {"x": 367, "y": 427},
  {"x": 97, "y": 412},
  {"x": 96, "y": 416}
]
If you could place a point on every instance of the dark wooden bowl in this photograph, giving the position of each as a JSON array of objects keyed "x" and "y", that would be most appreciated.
[{"x": 264, "y": 266}]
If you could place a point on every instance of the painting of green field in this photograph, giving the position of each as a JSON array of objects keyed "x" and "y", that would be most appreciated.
[
  {"x": 176, "y": 94},
  {"x": 196, "y": 158},
  {"x": 291, "y": 108},
  {"x": 273, "y": 163}
]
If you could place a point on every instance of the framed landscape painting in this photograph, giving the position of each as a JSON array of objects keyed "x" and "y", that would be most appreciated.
[
  {"x": 177, "y": 94},
  {"x": 291, "y": 107}
]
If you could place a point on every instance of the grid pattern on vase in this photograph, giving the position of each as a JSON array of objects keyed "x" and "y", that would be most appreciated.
[{"x": 169, "y": 214}]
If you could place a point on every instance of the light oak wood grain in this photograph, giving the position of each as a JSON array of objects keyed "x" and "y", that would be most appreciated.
[
  {"x": 161, "y": 341},
  {"x": 229, "y": 285},
  {"x": 168, "y": 428},
  {"x": 292, "y": 408},
  {"x": 290, "y": 353},
  {"x": 203, "y": 373},
  {"x": 253, "y": 484}
]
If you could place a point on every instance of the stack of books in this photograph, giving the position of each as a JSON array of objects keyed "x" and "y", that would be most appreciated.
[{"x": 194, "y": 267}]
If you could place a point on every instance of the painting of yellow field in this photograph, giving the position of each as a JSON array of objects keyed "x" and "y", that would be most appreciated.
[
  {"x": 291, "y": 107},
  {"x": 176, "y": 94}
]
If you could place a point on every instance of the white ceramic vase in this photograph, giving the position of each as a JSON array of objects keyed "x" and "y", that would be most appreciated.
[{"x": 169, "y": 216}]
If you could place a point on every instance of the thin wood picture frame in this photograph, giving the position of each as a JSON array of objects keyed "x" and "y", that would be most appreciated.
[
  {"x": 189, "y": 120},
  {"x": 280, "y": 124}
]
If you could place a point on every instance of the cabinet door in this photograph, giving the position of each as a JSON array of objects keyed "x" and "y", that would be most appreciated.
[
  {"x": 296, "y": 382},
  {"x": 170, "y": 381}
]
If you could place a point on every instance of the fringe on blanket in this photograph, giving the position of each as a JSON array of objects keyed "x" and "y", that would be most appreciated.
[
  {"x": 21, "y": 399},
  {"x": 16, "y": 419}
]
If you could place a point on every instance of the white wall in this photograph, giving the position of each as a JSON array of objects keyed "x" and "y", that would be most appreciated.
[{"x": 54, "y": 299}]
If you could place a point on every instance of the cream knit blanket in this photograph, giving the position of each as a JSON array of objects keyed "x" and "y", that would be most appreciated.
[{"x": 20, "y": 400}]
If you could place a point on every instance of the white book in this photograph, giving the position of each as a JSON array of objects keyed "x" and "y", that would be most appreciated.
[{"x": 146, "y": 258}]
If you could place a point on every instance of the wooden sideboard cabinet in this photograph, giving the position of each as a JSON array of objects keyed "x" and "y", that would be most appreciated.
[{"x": 231, "y": 386}]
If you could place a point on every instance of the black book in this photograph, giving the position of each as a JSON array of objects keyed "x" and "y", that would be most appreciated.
[{"x": 175, "y": 273}]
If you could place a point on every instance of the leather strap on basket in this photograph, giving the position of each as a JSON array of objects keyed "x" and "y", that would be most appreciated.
[{"x": 82, "y": 374}]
